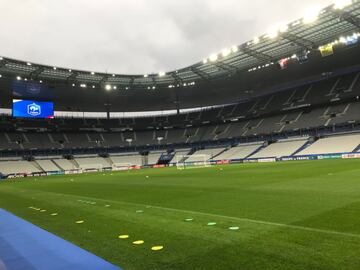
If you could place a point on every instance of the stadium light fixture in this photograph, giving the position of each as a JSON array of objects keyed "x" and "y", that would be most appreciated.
[
  {"x": 113, "y": 75},
  {"x": 256, "y": 40},
  {"x": 162, "y": 74},
  {"x": 225, "y": 52},
  {"x": 283, "y": 28},
  {"x": 93, "y": 86},
  {"x": 0, "y": 76},
  {"x": 234, "y": 49},
  {"x": 115, "y": 87},
  {"x": 273, "y": 32},
  {"x": 83, "y": 85},
  {"x": 54, "y": 68},
  {"x": 1, "y": 58},
  {"x": 73, "y": 84},
  {"x": 40, "y": 81},
  {"x": 213, "y": 57},
  {"x": 92, "y": 73},
  {"x": 311, "y": 15},
  {"x": 70, "y": 70},
  {"x": 146, "y": 75},
  {"x": 18, "y": 78},
  {"x": 29, "y": 64},
  {"x": 341, "y": 4},
  {"x": 108, "y": 87}
]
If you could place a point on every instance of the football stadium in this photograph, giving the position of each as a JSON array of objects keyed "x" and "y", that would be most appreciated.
[{"x": 247, "y": 159}]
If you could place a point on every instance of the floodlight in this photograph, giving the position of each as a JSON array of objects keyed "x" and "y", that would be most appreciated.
[
  {"x": 162, "y": 73},
  {"x": 340, "y": 4},
  {"x": 256, "y": 40},
  {"x": 145, "y": 76},
  {"x": 225, "y": 52},
  {"x": 18, "y": 78},
  {"x": 205, "y": 61},
  {"x": 234, "y": 49},
  {"x": 92, "y": 73},
  {"x": 283, "y": 28},
  {"x": 213, "y": 57},
  {"x": 311, "y": 15},
  {"x": 108, "y": 87},
  {"x": 273, "y": 32},
  {"x": 29, "y": 64}
]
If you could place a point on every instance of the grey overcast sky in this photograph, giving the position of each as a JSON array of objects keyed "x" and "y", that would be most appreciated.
[{"x": 135, "y": 36}]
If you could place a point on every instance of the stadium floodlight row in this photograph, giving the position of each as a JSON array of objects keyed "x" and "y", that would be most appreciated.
[{"x": 296, "y": 39}]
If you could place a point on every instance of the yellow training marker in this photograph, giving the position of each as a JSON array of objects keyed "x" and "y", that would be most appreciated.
[
  {"x": 123, "y": 236},
  {"x": 42, "y": 211},
  {"x": 80, "y": 222},
  {"x": 157, "y": 248},
  {"x": 139, "y": 242},
  {"x": 54, "y": 214}
]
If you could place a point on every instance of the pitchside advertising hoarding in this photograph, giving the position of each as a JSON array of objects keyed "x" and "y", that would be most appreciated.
[{"x": 32, "y": 109}]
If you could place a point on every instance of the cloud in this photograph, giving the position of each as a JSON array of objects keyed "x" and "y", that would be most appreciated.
[{"x": 135, "y": 36}]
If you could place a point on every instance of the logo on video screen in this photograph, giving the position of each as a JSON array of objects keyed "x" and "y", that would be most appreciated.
[{"x": 33, "y": 109}]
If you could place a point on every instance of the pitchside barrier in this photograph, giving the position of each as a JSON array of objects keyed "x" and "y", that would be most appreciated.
[{"x": 203, "y": 162}]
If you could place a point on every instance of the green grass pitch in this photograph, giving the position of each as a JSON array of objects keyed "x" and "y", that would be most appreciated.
[{"x": 292, "y": 215}]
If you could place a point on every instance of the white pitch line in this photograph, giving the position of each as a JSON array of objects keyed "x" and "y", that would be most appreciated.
[
  {"x": 255, "y": 221},
  {"x": 296, "y": 227}
]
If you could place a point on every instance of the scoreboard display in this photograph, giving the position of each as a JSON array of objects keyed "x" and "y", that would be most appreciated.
[{"x": 32, "y": 109}]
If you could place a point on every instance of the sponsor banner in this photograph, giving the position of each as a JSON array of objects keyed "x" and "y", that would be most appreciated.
[
  {"x": 295, "y": 158},
  {"x": 159, "y": 166},
  {"x": 266, "y": 160},
  {"x": 38, "y": 174},
  {"x": 354, "y": 155},
  {"x": 330, "y": 156},
  {"x": 13, "y": 176},
  {"x": 73, "y": 172},
  {"x": 250, "y": 161},
  {"x": 222, "y": 162},
  {"x": 56, "y": 173}
]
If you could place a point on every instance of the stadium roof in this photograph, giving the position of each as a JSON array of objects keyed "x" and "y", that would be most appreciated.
[{"x": 317, "y": 28}]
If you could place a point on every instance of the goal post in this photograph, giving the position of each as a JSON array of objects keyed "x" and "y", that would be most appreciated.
[{"x": 192, "y": 161}]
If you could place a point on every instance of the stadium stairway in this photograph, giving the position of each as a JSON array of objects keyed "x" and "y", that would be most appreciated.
[
  {"x": 256, "y": 151},
  {"x": 73, "y": 161},
  {"x": 225, "y": 149},
  {"x": 357, "y": 149},
  {"x": 306, "y": 145},
  {"x": 37, "y": 166}
]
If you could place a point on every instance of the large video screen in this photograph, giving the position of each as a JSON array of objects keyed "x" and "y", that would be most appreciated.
[{"x": 32, "y": 109}]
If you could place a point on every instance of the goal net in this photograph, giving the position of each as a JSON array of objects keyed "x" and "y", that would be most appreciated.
[
  {"x": 192, "y": 161},
  {"x": 121, "y": 166}
]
